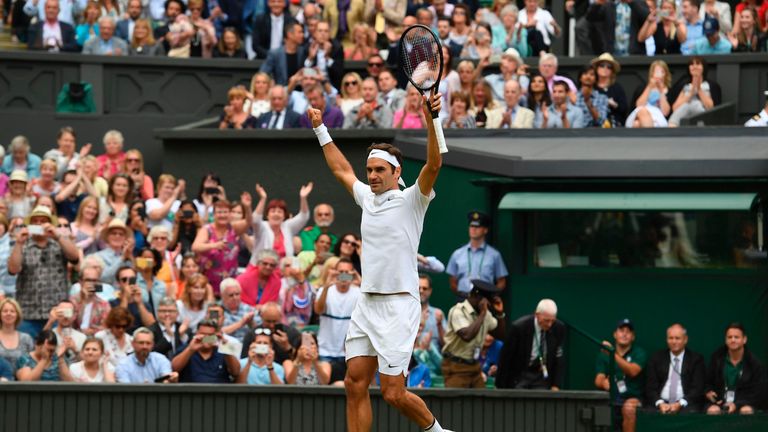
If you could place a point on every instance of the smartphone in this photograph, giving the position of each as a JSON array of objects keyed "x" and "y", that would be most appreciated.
[
  {"x": 162, "y": 378},
  {"x": 98, "y": 287},
  {"x": 66, "y": 332},
  {"x": 280, "y": 326},
  {"x": 36, "y": 230},
  {"x": 306, "y": 339},
  {"x": 67, "y": 313},
  {"x": 260, "y": 349},
  {"x": 187, "y": 214},
  {"x": 663, "y": 13},
  {"x": 214, "y": 315},
  {"x": 144, "y": 263},
  {"x": 346, "y": 277},
  {"x": 212, "y": 191},
  {"x": 131, "y": 281},
  {"x": 211, "y": 340}
]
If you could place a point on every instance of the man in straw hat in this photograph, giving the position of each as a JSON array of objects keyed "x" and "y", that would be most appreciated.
[
  {"x": 119, "y": 251},
  {"x": 41, "y": 266}
]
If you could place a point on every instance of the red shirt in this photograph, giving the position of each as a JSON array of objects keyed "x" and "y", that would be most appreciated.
[{"x": 109, "y": 167}]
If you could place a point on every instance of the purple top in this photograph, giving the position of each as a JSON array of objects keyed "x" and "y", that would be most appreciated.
[{"x": 333, "y": 118}]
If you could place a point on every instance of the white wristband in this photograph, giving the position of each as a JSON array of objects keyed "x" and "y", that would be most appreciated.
[{"x": 323, "y": 137}]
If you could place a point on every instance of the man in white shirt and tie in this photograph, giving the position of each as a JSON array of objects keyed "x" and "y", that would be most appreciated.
[{"x": 279, "y": 117}]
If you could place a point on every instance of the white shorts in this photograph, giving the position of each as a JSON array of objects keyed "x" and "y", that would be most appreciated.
[{"x": 384, "y": 326}]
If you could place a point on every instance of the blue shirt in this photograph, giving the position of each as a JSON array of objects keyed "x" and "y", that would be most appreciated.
[
  {"x": 212, "y": 371},
  {"x": 693, "y": 34},
  {"x": 703, "y": 47},
  {"x": 6, "y": 371},
  {"x": 260, "y": 375},
  {"x": 51, "y": 373},
  {"x": 233, "y": 317},
  {"x": 131, "y": 371},
  {"x": 483, "y": 263},
  {"x": 491, "y": 356},
  {"x": 7, "y": 280},
  {"x": 112, "y": 262},
  {"x": 158, "y": 290},
  {"x": 419, "y": 374},
  {"x": 600, "y": 102}
]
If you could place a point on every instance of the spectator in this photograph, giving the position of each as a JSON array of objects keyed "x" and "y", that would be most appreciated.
[
  {"x": 311, "y": 261},
  {"x": 193, "y": 304},
  {"x": 44, "y": 363},
  {"x": 511, "y": 33},
  {"x": 411, "y": 115},
  {"x": 295, "y": 293},
  {"x": 238, "y": 211},
  {"x": 239, "y": 318},
  {"x": 268, "y": 28},
  {"x": 617, "y": 25},
  {"x": 323, "y": 216},
  {"x": 317, "y": 100},
  {"x": 88, "y": 29},
  {"x": 13, "y": 343},
  {"x": 64, "y": 155},
  {"x": 539, "y": 21},
  {"x": 308, "y": 78},
  {"x": 696, "y": 95},
  {"x": 693, "y": 25},
  {"x": 667, "y": 31},
  {"x": 144, "y": 365},
  {"x": 7, "y": 238},
  {"x": 433, "y": 317},
  {"x": 134, "y": 166},
  {"x": 287, "y": 59},
  {"x": 391, "y": 95},
  {"x": 117, "y": 341},
  {"x": 469, "y": 322},
  {"x": 53, "y": 31},
  {"x": 363, "y": 43},
  {"x": 461, "y": 24},
  {"x": 46, "y": 184},
  {"x": 515, "y": 116},
  {"x": 204, "y": 38},
  {"x": 659, "y": 82},
  {"x": 712, "y": 43},
  {"x": 511, "y": 68},
  {"x": 476, "y": 260},
  {"x": 229, "y": 45},
  {"x": 41, "y": 266},
  {"x": 746, "y": 34},
  {"x": 467, "y": 77},
  {"x": 279, "y": 116},
  {"x": 532, "y": 357},
  {"x": 325, "y": 55},
  {"x": 110, "y": 8},
  {"x": 90, "y": 167},
  {"x": 423, "y": 15},
  {"x": 148, "y": 265},
  {"x": 120, "y": 195},
  {"x": 626, "y": 375},
  {"x": 106, "y": 44},
  {"x": 548, "y": 69},
  {"x": 202, "y": 361},
  {"x": 261, "y": 283},
  {"x": 459, "y": 117},
  {"x": 161, "y": 211},
  {"x": 375, "y": 66},
  {"x": 189, "y": 267},
  {"x": 349, "y": 248},
  {"x": 134, "y": 299},
  {"x": 75, "y": 189},
  {"x": 479, "y": 45},
  {"x": 675, "y": 376},
  {"x": 216, "y": 245},
  {"x": 440, "y": 8},
  {"x": 259, "y": 367},
  {"x": 107, "y": 293},
  {"x": 444, "y": 34},
  {"x": 593, "y": 104},
  {"x": 306, "y": 368},
  {"x": 258, "y": 98},
  {"x": 286, "y": 339},
  {"x": 234, "y": 115},
  {"x": 736, "y": 378},
  {"x": 21, "y": 159},
  {"x": 94, "y": 366},
  {"x": 126, "y": 26},
  {"x": 186, "y": 224},
  {"x": 111, "y": 162},
  {"x": 118, "y": 252},
  {"x": 486, "y": 111},
  {"x": 721, "y": 11},
  {"x": 170, "y": 334},
  {"x": 759, "y": 119},
  {"x": 607, "y": 69},
  {"x": 18, "y": 200},
  {"x": 167, "y": 31},
  {"x": 143, "y": 42},
  {"x": 90, "y": 310},
  {"x": 278, "y": 230}
]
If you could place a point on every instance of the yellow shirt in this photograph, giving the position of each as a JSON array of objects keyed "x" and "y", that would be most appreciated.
[{"x": 461, "y": 316}]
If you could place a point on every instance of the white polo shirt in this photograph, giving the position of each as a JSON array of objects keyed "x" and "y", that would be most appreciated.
[
  {"x": 391, "y": 227},
  {"x": 334, "y": 322}
]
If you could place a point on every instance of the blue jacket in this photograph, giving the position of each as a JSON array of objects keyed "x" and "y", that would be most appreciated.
[{"x": 33, "y": 165}]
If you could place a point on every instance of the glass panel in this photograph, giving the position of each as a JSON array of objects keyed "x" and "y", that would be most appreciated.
[{"x": 701, "y": 239}]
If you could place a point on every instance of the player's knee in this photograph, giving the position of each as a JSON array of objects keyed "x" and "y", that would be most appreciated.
[
  {"x": 746, "y": 409},
  {"x": 393, "y": 395}
]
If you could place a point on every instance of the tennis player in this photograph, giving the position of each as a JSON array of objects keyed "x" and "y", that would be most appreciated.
[{"x": 385, "y": 322}]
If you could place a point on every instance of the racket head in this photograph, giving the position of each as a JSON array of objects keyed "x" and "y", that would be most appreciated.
[{"x": 421, "y": 57}]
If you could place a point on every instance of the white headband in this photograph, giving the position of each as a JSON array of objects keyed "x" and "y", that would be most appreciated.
[{"x": 381, "y": 154}]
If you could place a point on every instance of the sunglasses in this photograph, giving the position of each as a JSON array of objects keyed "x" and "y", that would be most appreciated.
[
  {"x": 128, "y": 280},
  {"x": 350, "y": 242},
  {"x": 375, "y": 64},
  {"x": 263, "y": 331},
  {"x": 63, "y": 225},
  {"x": 350, "y": 83},
  {"x": 605, "y": 65}
]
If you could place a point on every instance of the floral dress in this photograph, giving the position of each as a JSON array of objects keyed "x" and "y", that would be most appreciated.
[{"x": 218, "y": 264}]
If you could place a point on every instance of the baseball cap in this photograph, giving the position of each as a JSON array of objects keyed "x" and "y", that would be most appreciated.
[
  {"x": 625, "y": 323},
  {"x": 477, "y": 218},
  {"x": 710, "y": 26}
]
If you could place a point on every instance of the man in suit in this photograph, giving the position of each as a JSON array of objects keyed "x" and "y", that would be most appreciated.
[
  {"x": 125, "y": 26},
  {"x": 394, "y": 97},
  {"x": 268, "y": 28},
  {"x": 68, "y": 10},
  {"x": 170, "y": 335},
  {"x": 325, "y": 54},
  {"x": 515, "y": 116},
  {"x": 52, "y": 34},
  {"x": 106, "y": 43},
  {"x": 286, "y": 60},
  {"x": 279, "y": 116},
  {"x": 675, "y": 376},
  {"x": 532, "y": 357}
]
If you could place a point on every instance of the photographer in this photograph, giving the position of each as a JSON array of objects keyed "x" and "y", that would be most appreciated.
[
  {"x": 286, "y": 339},
  {"x": 133, "y": 298},
  {"x": 203, "y": 361},
  {"x": 469, "y": 322},
  {"x": 90, "y": 310},
  {"x": 260, "y": 367},
  {"x": 63, "y": 316}
]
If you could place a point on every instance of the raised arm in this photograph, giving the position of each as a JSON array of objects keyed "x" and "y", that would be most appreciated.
[
  {"x": 431, "y": 169},
  {"x": 339, "y": 165}
]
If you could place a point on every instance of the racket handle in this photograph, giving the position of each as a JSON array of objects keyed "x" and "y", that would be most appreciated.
[{"x": 439, "y": 134}]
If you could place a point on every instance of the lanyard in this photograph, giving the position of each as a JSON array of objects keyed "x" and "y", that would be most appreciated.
[
  {"x": 469, "y": 261},
  {"x": 542, "y": 354}
]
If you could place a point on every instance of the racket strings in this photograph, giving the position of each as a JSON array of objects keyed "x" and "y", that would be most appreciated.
[{"x": 420, "y": 57}]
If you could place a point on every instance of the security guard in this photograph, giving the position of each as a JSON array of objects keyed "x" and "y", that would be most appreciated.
[{"x": 760, "y": 119}]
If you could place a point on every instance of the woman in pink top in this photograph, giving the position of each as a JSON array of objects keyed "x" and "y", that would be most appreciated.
[
  {"x": 410, "y": 117},
  {"x": 111, "y": 162}
]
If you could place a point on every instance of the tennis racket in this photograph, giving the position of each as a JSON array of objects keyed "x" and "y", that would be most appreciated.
[{"x": 421, "y": 60}]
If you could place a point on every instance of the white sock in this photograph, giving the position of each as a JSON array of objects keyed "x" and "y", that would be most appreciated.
[{"x": 435, "y": 427}]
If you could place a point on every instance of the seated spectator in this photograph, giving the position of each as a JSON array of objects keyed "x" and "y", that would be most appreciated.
[
  {"x": 311, "y": 261},
  {"x": 286, "y": 340},
  {"x": 363, "y": 43},
  {"x": 118, "y": 250},
  {"x": 486, "y": 111},
  {"x": 351, "y": 95},
  {"x": 133, "y": 298},
  {"x": 323, "y": 216},
  {"x": 173, "y": 33},
  {"x": 137, "y": 222},
  {"x": 229, "y": 45},
  {"x": 143, "y": 43},
  {"x": 479, "y": 45},
  {"x": 489, "y": 358},
  {"x": 295, "y": 293},
  {"x": 444, "y": 34},
  {"x": 204, "y": 38},
  {"x": 460, "y": 117},
  {"x": 75, "y": 189},
  {"x": 613, "y": 35},
  {"x": 13, "y": 343},
  {"x": 106, "y": 43},
  {"x": 45, "y": 362},
  {"x": 721, "y": 11},
  {"x": 667, "y": 31},
  {"x": 134, "y": 166},
  {"x": 511, "y": 33},
  {"x": 7, "y": 241},
  {"x": 94, "y": 366},
  {"x": 759, "y": 119},
  {"x": 144, "y": 365},
  {"x": 239, "y": 318},
  {"x": 261, "y": 282},
  {"x": 532, "y": 356},
  {"x": 539, "y": 21},
  {"x": 539, "y": 99},
  {"x": 90, "y": 311},
  {"x": 391, "y": 95},
  {"x": 112, "y": 161},
  {"x": 88, "y": 29},
  {"x": 592, "y": 103},
  {"x": 307, "y": 368},
  {"x": 20, "y": 158},
  {"x": 279, "y": 116},
  {"x": 234, "y": 115},
  {"x": 333, "y": 116},
  {"x": 675, "y": 377},
  {"x": 186, "y": 224},
  {"x": 65, "y": 154},
  {"x": 746, "y": 33},
  {"x": 411, "y": 116},
  {"x": 277, "y": 223},
  {"x": 653, "y": 104},
  {"x": 258, "y": 98},
  {"x": 90, "y": 167},
  {"x": 193, "y": 304},
  {"x": 511, "y": 68},
  {"x": 287, "y": 59},
  {"x": 626, "y": 374},
  {"x": 161, "y": 211},
  {"x": 202, "y": 361},
  {"x": 712, "y": 43},
  {"x": 736, "y": 379},
  {"x": 434, "y": 318},
  {"x": 440, "y": 8},
  {"x": 268, "y": 27},
  {"x": 169, "y": 333},
  {"x": 349, "y": 248},
  {"x": 19, "y": 202},
  {"x": 548, "y": 69},
  {"x": 149, "y": 262},
  {"x": 426, "y": 354},
  {"x": 126, "y": 26},
  {"x": 51, "y": 32},
  {"x": 607, "y": 69},
  {"x": 693, "y": 24},
  {"x": 260, "y": 367},
  {"x": 117, "y": 341},
  {"x": 467, "y": 77},
  {"x": 696, "y": 95},
  {"x": 461, "y": 24},
  {"x": 46, "y": 184}
]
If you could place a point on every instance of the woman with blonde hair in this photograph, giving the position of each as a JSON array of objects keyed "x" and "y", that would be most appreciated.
[
  {"x": 193, "y": 304},
  {"x": 162, "y": 210},
  {"x": 467, "y": 76},
  {"x": 13, "y": 343},
  {"x": 486, "y": 111},
  {"x": 143, "y": 41},
  {"x": 204, "y": 38},
  {"x": 364, "y": 40},
  {"x": 86, "y": 227},
  {"x": 46, "y": 184},
  {"x": 133, "y": 165},
  {"x": 258, "y": 96},
  {"x": 411, "y": 116},
  {"x": 90, "y": 166},
  {"x": 652, "y": 106},
  {"x": 235, "y": 116},
  {"x": 351, "y": 94}
]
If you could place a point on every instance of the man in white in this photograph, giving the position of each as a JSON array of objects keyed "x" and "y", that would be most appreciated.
[{"x": 385, "y": 322}]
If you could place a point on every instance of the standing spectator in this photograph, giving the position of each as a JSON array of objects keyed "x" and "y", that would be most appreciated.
[
  {"x": 459, "y": 116},
  {"x": 693, "y": 24},
  {"x": 391, "y": 95},
  {"x": 125, "y": 27},
  {"x": 746, "y": 34},
  {"x": 373, "y": 113},
  {"x": 410, "y": 116},
  {"x": 617, "y": 25},
  {"x": 267, "y": 28},
  {"x": 476, "y": 260},
  {"x": 696, "y": 95},
  {"x": 53, "y": 31},
  {"x": 512, "y": 34},
  {"x": 323, "y": 216},
  {"x": 626, "y": 374},
  {"x": 277, "y": 231},
  {"x": 202, "y": 362},
  {"x": 515, "y": 116},
  {"x": 144, "y": 365},
  {"x": 204, "y": 38},
  {"x": 65, "y": 154},
  {"x": 115, "y": 204},
  {"x": 85, "y": 226},
  {"x": 307, "y": 368},
  {"x": 112, "y": 160},
  {"x": 169, "y": 333},
  {"x": 21, "y": 159},
  {"x": 736, "y": 378},
  {"x": 486, "y": 111},
  {"x": 363, "y": 43},
  {"x": 148, "y": 265},
  {"x": 318, "y": 101},
  {"x": 94, "y": 366},
  {"x": 512, "y": 68},
  {"x": 18, "y": 200},
  {"x": 117, "y": 341},
  {"x": 44, "y": 363},
  {"x": 607, "y": 69},
  {"x": 712, "y": 43},
  {"x": 675, "y": 376},
  {"x": 539, "y": 21},
  {"x": 260, "y": 367},
  {"x": 532, "y": 357},
  {"x": 89, "y": 29},
  {"x": 325, "y": 55},
  {"x": 593, "y": 104},
  {"x": 433, "y": 317},
  {"x": 161, "y": 211},
  {"x": 118, "y": 252},
  {"x": 234, "y": 115},
  {"x": 667, "y": 31},
  {"x": 106, "y": 43},
  {"x": 134, "y": 166},
  {"x": 134, "y": 299},
  {"x": 721, "y": 11},
  {"x": 90, "y": 311},
  {"x": 279, "y": 116},
  {"x": 143, "y": 43},
  {"x": 13, "y": 343},
  {"x": 469, "y": 322},
  {"x": 258, "y": 97},
  {"x": 229, "y": 45},
  {"x": 287, "y": 59},
  {"x": 239, "y": 318},
  {"x": 41, "y": 266},
  {"x": 193, "y": 304}
]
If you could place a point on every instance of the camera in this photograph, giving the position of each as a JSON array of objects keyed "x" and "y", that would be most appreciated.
[
  {"x": 346, "y": 277},
  {"x": 212, "y": 191},
  {"x": 210, "y": 339},
  {"x": 187, "y": 214},
  {"x": 260, "y": 349},
  {"x": 214, "y": 315},
  {"x": 36, "y": 230}
]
